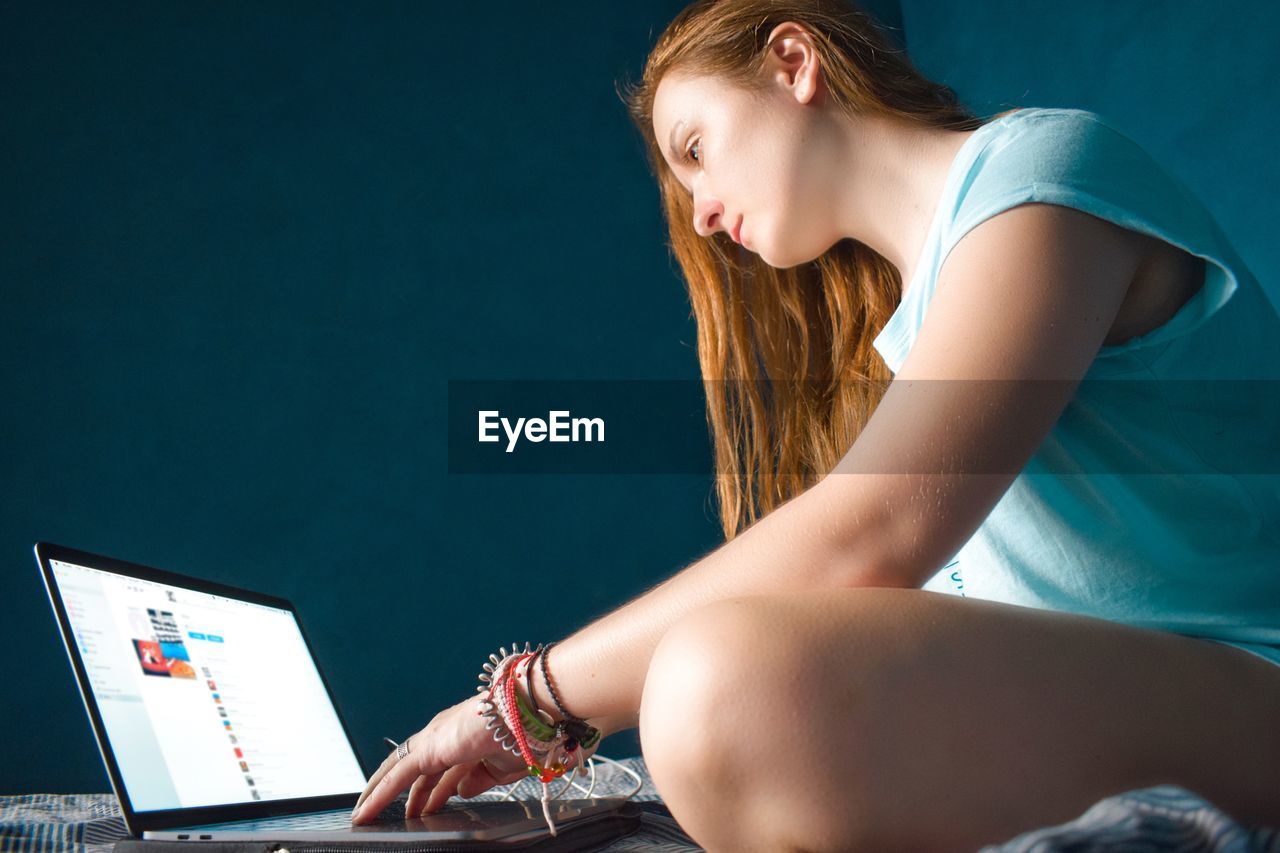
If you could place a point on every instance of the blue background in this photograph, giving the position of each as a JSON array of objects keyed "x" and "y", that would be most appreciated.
[{"x": 246, "y": 246}]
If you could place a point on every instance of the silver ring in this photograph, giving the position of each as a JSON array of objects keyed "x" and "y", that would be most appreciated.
[{"x": 402, "y": 750}]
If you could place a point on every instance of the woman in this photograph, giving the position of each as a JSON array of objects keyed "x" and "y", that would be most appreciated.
[{"x": 1105, "y": 629}]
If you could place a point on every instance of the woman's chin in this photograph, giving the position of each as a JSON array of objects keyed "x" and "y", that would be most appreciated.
[
  {"x": 784, "y": 261},
  {"x": 769, "y": 256}
]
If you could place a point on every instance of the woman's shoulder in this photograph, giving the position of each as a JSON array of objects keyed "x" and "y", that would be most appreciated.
[
  {"x": 1076, "y": 158},
  {"x": 1079, "y": 159},
  {"x": 1071, "y": 149},
  {"x": 1067, "y": 129}
]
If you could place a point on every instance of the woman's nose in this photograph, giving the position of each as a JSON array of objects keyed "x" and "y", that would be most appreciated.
[{"x": 708, "y": 216}]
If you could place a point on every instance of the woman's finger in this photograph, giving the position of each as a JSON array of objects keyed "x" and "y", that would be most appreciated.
[
  {"x": 374, "y": 779},
  {"x": 444, "y": 789},
  {"x": 390, "y": 781},
  {"x": 418, "y": 794}
]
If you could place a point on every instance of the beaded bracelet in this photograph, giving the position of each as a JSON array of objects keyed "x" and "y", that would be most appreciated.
[
  {"x": 547, "y": 750},
  {"x": 578, "y": 728},
  {"x": 513, "y": 720},
  {"x": 533, "y": 719}
]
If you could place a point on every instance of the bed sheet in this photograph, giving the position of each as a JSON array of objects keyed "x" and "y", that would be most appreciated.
[{"x": 1151, "y": 819}]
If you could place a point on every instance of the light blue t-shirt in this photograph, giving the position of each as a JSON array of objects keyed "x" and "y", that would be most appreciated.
[{"x": 1155, "y": 499}]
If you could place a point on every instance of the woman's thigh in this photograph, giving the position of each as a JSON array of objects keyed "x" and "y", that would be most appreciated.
[{"x": 880, "y": 719}]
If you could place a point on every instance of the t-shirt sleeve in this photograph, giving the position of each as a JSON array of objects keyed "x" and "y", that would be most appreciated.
[{"x": 1074, "y": 158}]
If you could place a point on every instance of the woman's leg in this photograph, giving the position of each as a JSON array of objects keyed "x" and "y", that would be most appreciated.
[{"x": 898, "y": 719}]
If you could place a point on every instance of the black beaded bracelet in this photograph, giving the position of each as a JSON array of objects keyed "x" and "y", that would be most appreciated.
[{"x": 576, "y": 727}]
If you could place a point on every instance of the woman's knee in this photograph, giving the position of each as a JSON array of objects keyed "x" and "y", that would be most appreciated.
[
  {"x": 744, "y": 693},
  {"x": 695, "y": 675},
  {"x": 725, "y": 679}
]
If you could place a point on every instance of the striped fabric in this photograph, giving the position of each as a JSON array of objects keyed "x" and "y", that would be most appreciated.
[
  {"x": 60, "y": 822},
  {"x": 1163, "y": 818}
]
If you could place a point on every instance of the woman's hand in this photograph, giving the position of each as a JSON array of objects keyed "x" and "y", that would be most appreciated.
[{"x": 454, "y": 754}]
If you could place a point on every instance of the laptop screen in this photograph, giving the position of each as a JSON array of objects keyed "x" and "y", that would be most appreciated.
[{"x": 206, "y": 700}]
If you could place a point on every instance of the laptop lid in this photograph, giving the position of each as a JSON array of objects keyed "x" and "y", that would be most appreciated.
[{"x": 206, "y": 700}]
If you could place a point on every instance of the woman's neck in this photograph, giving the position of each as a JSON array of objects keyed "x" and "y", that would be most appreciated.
[{"x": 897, "y": 175}]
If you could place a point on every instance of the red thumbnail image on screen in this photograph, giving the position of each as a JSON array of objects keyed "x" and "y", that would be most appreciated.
[{"x": 155, "y": 663}]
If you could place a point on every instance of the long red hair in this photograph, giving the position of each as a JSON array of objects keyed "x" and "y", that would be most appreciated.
[{"x": 786, "y": 354}]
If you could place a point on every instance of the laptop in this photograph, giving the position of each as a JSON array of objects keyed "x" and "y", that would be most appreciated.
[{"x": 216, "y": 723}]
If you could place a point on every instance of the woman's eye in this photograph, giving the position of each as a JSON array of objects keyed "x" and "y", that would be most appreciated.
[{"x": 688, "y": 153}]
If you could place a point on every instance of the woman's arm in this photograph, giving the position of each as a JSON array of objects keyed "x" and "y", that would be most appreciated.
[
  {"x": 1023, "y": 304},
  {"x": 599, "y": 671}
]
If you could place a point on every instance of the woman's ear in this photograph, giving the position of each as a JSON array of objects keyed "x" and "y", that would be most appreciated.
[{"x": 792, "y": 62}]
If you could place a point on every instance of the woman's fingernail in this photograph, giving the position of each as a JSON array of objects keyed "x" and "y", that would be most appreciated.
[{"x": 355, "y": 813}]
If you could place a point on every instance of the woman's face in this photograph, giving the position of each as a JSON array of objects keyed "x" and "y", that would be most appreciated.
[{"x": 753, "y": 162}]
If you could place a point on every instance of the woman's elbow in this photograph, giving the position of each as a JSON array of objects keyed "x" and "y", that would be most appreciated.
[
  {"x": 881, "y": 575},
  {"x": 867, "y": 551}
]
